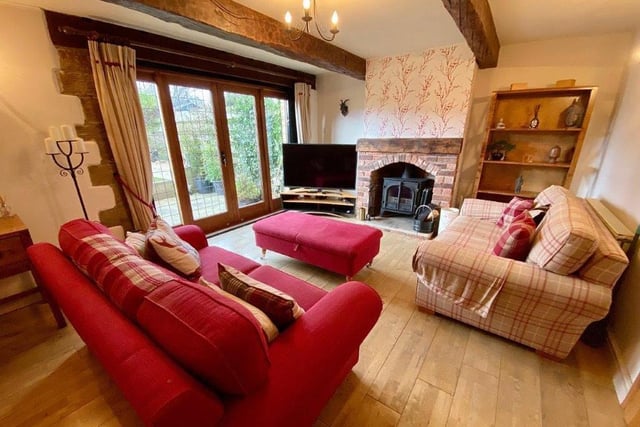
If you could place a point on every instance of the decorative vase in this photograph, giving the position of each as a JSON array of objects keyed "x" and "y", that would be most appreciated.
[{"x": 574, "y": 114}]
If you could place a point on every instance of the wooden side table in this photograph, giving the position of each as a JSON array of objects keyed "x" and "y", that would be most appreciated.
[{"x": 14, "y": 241}]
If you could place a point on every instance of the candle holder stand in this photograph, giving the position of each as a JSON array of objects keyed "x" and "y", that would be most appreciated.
[{"x": 70, "y": 163}]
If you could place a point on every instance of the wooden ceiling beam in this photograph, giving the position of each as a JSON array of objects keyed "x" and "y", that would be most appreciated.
[
  {"x": 474, "y": 19},
  {"x": 232, "y": 21}
]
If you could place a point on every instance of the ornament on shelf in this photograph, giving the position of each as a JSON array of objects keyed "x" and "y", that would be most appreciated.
[
  {"x": 500, "y": 124},
  {"x": 554, "y": 153},
  {"x": 573, "y": 115},
  {"x": 519, "y": 183},
  {"x": 5, "y": 209},
  {"x": 535, "y": 121}
]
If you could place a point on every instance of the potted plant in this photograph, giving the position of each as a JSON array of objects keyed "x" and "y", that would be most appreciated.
[{"x": 498, "y": 149}]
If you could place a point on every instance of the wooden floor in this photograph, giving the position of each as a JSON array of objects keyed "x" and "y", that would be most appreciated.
[{"x": 415, "y": 369}]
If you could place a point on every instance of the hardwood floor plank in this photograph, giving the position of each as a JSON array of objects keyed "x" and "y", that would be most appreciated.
[
  {"x": 484, "y": 352},
  {"x": 397, "y": 376},
  {"x": 602, "y": 406},
  {"x": 563, "y": 402},
  {"x": 426, "y": 406},
  {"x": 441, "y": 367},
  {"x": 370, "y": 413},
  {"x": 519, "y": 398},
  {"x": 475, "y": 399}
]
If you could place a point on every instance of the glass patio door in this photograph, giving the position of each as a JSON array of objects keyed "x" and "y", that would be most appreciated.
[{"x": 216, "y": 159}]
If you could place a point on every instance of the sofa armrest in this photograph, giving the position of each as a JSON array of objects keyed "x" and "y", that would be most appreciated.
[
  {"x": 193, "y": 235},
  {"x": 544, "y": 290},
  {"x": 482, "y": 209},
  {"x": 310, "y": 359}
]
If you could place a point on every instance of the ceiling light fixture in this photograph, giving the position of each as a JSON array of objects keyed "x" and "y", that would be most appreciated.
[{"x": 307, "y": 18}]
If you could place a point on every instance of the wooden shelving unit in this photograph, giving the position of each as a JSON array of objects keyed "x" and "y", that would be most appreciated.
[
  {"x": 496, "y": 179},
  {"x": 329, "y": 201}
]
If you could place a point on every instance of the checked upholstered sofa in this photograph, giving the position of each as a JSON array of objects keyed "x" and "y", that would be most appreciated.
[
  {"x": 181, "y": 352},
  {"x": 545, "y": 301}
]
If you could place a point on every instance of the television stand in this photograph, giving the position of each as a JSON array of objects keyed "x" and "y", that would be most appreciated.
[{"x": 319, "y": 200}]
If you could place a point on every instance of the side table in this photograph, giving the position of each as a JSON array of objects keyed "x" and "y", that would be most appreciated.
[{"x": 14, "y": 241}]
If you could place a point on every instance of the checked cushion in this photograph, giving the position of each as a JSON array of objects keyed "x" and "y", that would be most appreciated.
[
  {"x": 515, "y": 240},
  {"x": 514, "y": 208}
]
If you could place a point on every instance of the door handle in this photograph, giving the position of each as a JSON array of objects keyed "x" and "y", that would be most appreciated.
[{"x": 223, "y": 158}]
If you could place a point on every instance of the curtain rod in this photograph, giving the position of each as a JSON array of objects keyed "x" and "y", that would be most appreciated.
[{"x": 94, "y": 35}]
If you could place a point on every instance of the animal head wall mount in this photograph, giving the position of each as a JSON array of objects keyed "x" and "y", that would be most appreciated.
[{"x": 344, "y": 108}]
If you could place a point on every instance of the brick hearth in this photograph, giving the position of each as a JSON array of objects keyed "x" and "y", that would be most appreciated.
[{"x": 438, "y": 157}]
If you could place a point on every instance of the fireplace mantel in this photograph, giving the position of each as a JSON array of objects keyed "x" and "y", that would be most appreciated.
[{"x": 411, "y": 145}]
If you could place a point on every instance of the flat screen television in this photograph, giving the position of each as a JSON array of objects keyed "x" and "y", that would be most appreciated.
[{"x": 320, "y": 165}]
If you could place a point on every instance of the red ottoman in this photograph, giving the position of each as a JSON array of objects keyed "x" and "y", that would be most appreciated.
[{"x": 331, "y": 244}]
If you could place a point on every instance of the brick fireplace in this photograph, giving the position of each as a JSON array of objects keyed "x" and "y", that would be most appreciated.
[{"x": 435, "y": 157}]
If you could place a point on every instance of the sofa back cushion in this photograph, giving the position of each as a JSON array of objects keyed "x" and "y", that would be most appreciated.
[
  {"x": 565, "y": 239},
  {"x": 114, "y": 267},
  {"x": 215, "y": 338}
]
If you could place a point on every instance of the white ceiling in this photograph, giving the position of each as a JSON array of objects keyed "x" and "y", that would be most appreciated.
[{"x": 375, "y": 28}]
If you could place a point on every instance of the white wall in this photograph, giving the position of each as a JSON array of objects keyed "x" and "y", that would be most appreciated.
[
  {"x": 29, "y": 104},
  {"x": 616, "y": 186},
  {"x": 592, "y": 61},
  {"x": 331, "y": 88}
]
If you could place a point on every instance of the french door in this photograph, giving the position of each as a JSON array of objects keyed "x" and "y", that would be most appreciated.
[{"x": 216, "y": 148}]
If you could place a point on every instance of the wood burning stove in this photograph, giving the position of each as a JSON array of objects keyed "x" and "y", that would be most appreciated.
[{"x": 404, "y": 195}]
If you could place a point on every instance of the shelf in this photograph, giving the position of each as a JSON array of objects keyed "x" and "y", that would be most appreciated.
[
  {"x": 537, "y": 130},
  {"x": 522, "y": 194},
  {"x": 531, "y": 164},
  {"x": 319, "y": 202}
]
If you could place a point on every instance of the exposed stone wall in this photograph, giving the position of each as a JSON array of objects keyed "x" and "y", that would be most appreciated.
[{"x": 75, "y": 78}]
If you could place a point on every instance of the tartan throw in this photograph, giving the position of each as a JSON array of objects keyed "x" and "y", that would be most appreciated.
[
  {"x": 515, "y": 240},
  {"x": 269, "y": 329},
  {"x": 466, "y": 277},
  {"x": 280, "y": 307},
  {"x": 537, "y": 308},
  {"x": 515, "y": 207},
  {"x": 96, "y": 250}
]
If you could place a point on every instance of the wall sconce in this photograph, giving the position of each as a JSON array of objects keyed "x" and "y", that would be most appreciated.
[
  {"x": 344, "y": 108},
  {"x": 67, "y": 152}
]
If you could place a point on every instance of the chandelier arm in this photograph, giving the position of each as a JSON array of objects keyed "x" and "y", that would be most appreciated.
[{"x": 322, "y": 36}]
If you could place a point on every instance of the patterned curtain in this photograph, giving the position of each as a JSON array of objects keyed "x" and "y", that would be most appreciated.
[
  {"x": 303, "y": 111},
  {"x": 114, "y": 75}
]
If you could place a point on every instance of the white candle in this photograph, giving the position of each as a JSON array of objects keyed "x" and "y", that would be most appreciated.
[
  {"x": 77, "y": 146},
  {"x": 50, "y": 146},
  {"x": 68, "y": 132},
  {"x": 54, "y": 133}
]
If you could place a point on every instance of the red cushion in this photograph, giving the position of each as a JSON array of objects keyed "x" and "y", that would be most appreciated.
[
  {"x": 515, "y": 240},
  {"x": 305, "y": 294},
  {"x": 210, "y": 335},
  {"x": 212, "y": 255},
  {"x": 515, "y": 207}
]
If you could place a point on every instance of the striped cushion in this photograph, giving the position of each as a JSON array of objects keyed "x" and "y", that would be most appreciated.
[
  {"x": 515, "y": 207},
  {"x": 280, "y": 307},
  {"x": 515, "y": 240},
  {"x": 566, "y": 238}
]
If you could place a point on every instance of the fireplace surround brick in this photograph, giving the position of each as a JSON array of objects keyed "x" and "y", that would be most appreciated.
[{"x": 436, "y": 156}]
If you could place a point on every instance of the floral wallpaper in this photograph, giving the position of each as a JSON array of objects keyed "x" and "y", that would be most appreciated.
[{"x": 419, "y": 95}]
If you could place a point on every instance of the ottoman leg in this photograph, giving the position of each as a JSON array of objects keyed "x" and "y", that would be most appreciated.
[{"x": 264, "y": 253}]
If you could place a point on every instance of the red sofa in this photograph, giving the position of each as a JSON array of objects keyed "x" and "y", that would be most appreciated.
[{"x": 303, "y": 366}]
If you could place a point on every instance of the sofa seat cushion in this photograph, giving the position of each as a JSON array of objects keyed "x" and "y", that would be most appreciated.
[
  {"x": 213, "y": 337},
  {"x": 305, "y": 294},
  {"x": 565, "y": 239},
  {"x": 212, "y": 255},
  {"x": 474, "y": 233}
]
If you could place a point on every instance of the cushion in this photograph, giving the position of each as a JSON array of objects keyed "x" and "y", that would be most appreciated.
[
  {"x": 280, "y": 307},
  {"x": 514, "y": 208},
  {"x": 268, "y": 327},
  {"x": 305, "y": 293},
  {"x": 515, "y": 240},
  {"x": 212, "y": 255},
  {"x": 551, "y": 195},
  {"x": 565, "y": 239},
  {"x": 212, "y": 336},
  {"x": 137, "y": 241},
  {"x": 166, "y": 247}
]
